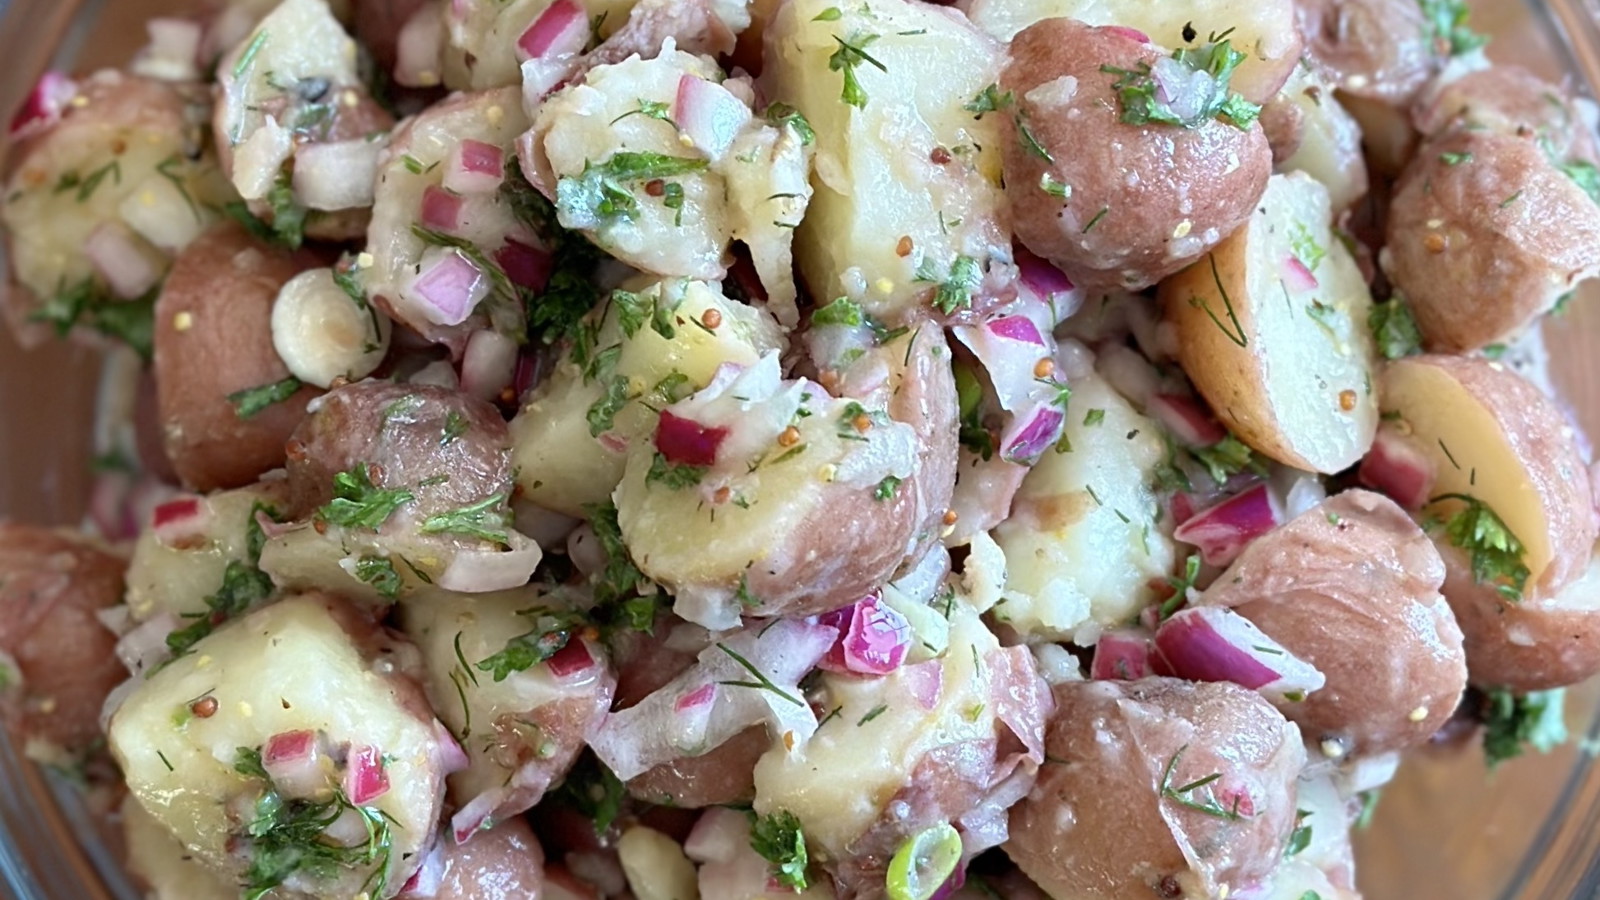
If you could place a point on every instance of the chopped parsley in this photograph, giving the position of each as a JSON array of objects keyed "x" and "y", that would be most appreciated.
[
  {"x": 969, "y": 395},
  {"x": 650, "y": 109},
  {"x": 569, "y": 294},
  {"x": 484, "y": 520},
  {"x": 674, "y": 477},
  {"x": 287, "y": 227},
  {"x": 1586, "y": 176},
  {"x": 1305, "y": 247},
  {"x": 251, "y": 402},
  {"x": 1393, "y": 328},
  {"x": 380, "y": 573},
  {"x": 1141, "y": 95},
  {"x": 779, "y": 115},
  {"x": 551, "y": 631},
  {"x": 602, "y": 413},
  {"x": 990, "y": 99},
  {"x": 1497, "y": 554},
  {"x": 842, "y": 311},
  {"x": 778, "y": 839},
  {"x": 89, "y": 305},
  {"x": 1300, "y": 837},
  {"x": 288, "y": 837},
  {"x": 1455, "y": 159},
  {"x": 955, "y": 289},
  {"x": 601, "y": 196},
  {"x": 886, "y": 488},
  {"x": 243, "y": 586},
  {"x": 1094, "y": 417},
  {"x": 1447, "y": 26},
  {"x": 247, "y": 762},
  {"x": 1227, "y": 458},
  {"x": 358, "y": 503},
  {"x": 624, "y": 597},
  {"x": 851, "y": 54},
  {"x": 1512, "y": 723},
  {"x": 594, "y": 791}
]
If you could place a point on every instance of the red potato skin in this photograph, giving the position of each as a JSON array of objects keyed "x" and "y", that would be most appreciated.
[
  {"x": 1177, "y": 193},
  {"x": 1097, "y": 826},
  {"x": 504, "y": 863},
  {"x": 726, "y": 776},
  {"x": 213, "y": 337},
  {"x": 378, "y": 24},
  {"x": 1507, "y": 100},
  {"x": 1355, "y": 571},
  {"x": 1482, "y": 246},
  {"x": 51, "y": 585},
  {"x": 1372, "y": 49}
]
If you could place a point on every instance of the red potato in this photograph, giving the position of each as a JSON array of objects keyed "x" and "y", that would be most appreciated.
[
  {"x": 57, "y": 661},
  {"x": 1354, "y": 571},
  {"x": 213, "y": 337},
  {"x": 502, "y": 863},
  {"x": 1506, "y": 100},
  {"x": 1181, "y": 190},
  {"x": 378, "y": 24},
  {"x": 725, "y": 776},
  {"x": 1484, "y": 235},
  {"x": 1108, "y": 818}
]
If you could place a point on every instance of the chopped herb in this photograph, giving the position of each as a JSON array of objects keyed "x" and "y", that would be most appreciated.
[
  {"x": 1455, "y": 159},
  {"x": 412, "y": 164},
  {"x": 289, "y": 837},
  {"x": 990, "y": 99},
  {"x": 380, "y": 573},
  {"x": 1512, "y": 723},
  {"x": 455, "y": 425},
  {"x": 831, "y": 14},
  {"x": 674, "y": 477},
  {"x": 842, "y": 311},
  {"x": 1189, "y": 795},
  {"x": 485, "y": 520},
  {"x": 600, "y": 196},
  {"x": 247, "y": 762},
  {"x": 1305, "y": 246},
  {"x": 165, "y": 761},
  {"x": 569, "y": 293},
  {"x": 1369, "y": 806},
  {"x": 288, "y": 217},
  {"x": 1561, "y": 304},
  {"x": 243, "y": 586},
  {"x": 1494, "y": 351},
  {"x": 595, "y": 792},
  {"x": 86, "y": 186},
  {"x": 777, "y": 838},
  {"x": 1094, "y": 417},
  {"x": 650, "y": 109},
  {"x": 969, "y": 394},
  {"x": 886, "y": 488},
  {"x": 672, "y": 198},
  {"x": 248, "y": 57},
  {"x": 168, "y": 170},
  {"x": 1586, "y": 176},
  {"x": 89, "y": 305},
  {"x": 1510, "y": 200},
  {"x": 551, "y": 632},
  {"x": 1394, "y": 329},
  {"x": 1096, "y": 220},
  {"x": 743, "y": 594},
  {"x": 1237, "y": 335},
  {"x": 955, "y": 290},
  {"x": 1300, "y": 837},
  {"x": 779, "y": 115},
  {"x": 1447, "y": 26},
  {"x": 1029, "y": 142},
  {"x": 1226, "y": 458},
  {"x": 873, "y": 713},
  {"x": 252, "y": 401},
  {"x": 602, "y": 413},
  {"x": 1497, "y": 554},
  {"x": 358, "y": 503},
  {"x": 762, "y": 682},
  {"x": 1053, "y": 187},
  {"x": 1141, "y": 97},
  {"x": 851, "y": 54},
  {"x": 620, "y": 578}
]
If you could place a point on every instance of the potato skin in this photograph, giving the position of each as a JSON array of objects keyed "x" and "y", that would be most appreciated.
[
  {"x": 1375, "y": 49},
  {"x": 213, "y": 337},
  {"x": 725, "y": 776},
  {"x": 1507, "y": 100},
  {"x": 504, "y": 863},
  {"x": 1483, "y": 245},
  {"x": 1178, "y": 192},
  {"x": 1097, "y": 826},
  {"x": 1355, "y": 572},
  {"x": 51, "y": 585}
]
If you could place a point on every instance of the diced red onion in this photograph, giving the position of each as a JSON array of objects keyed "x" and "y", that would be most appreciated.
[
  {"x": 1212, "y": 643},
  {"x": 337, "y": 175},
  {"x": 685, "y": 442},
  {"x": 561, "y": 30},
  {"x": 1224, "y": 530},
  {"x": 873, "y": 639},
  {"x": 425, "y": 882},
  {"x": 701, "y": 696},
  {"x": 450, "y": 286},
  {"x": 719, "y": 835},
  {"x": 488, "y": 364},
  {"x": 527, "y": 374},
  {"x": 474, "y": 167},
  {"x": 123, "y": 259},
  {"x": 419, "y": 48},
  {"x": 1016, "y": 328},
  {"x": 364, "y": 777},
  {"x": 1296, "y": 276},
  {"x": 1028, "y": 436},
  {"x": 294, "y": 762},
  {"x": 441, "y": 209},
  {"x": 1010, "y": 346},
  {"x": 1187, "y": 418},
  {"x": 527, "y": 266},
  {"x": 45, "y": 103},
  {"x": 1397, "y": 467},
  {"x": 925, "y": 681},
  {"x": 145, "y": 646},
  {"x": 572, "y": 659},
  {"x": 1122, "y": 655},
  {"x": 474, "y": 817},
  {"x": 1182, "y": 507},
  {"x": 182, "y": 522},
  {"x": 452, "y": 758},
  {"x": 539, "y": 78},
  {"x": 1132, "y": 34},
  {"x": 1051, "y": 285},
  {"x": 481, "y": 571},
  {"x": 708, "y": 115}
]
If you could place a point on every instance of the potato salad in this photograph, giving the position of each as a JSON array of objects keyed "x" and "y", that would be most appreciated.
[{"x": 830, "y": 449}]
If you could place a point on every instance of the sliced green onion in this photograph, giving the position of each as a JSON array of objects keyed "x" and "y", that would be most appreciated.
[{"x": 924, "y": 863}]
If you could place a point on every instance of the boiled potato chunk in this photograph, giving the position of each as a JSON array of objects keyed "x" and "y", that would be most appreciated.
[
  {"x": 1492, "y": 436},
  {"x": 1330, "y": 140},
  {"x": 177, "y": 575},
  {"x": 1272, "y": 329},
  {"x": 1084, "y": 540},
  {"x": 878, "y": 179},
  {"x": 567, "y": 458},
  {"x": 163, "y": 864},
  {"x": 306, "y": 664}
]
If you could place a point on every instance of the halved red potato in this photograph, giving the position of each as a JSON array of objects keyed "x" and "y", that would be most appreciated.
[
  {"x": 1507, "y": 100},
  {"x": 502, "y": 863},
  {"x": 1330, "y": 140},
  {"x": 1272, "y": 329}
]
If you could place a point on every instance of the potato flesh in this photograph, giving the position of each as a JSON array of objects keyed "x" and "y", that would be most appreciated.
[
  {"x": 157, "y": 858},
  {"x": 875, "y": 181},
  {"x": 1469, "y": 452},
  {"x": 285, "y": 668},
  {"x": 880, "y": 754},
  {"x": 1074, "y": 557},
  {"x": 177, "y": 580},
  {"x": 1330, "y": 144},
  {"x": 560, "y": 465},
  {"x": 481, "y": 44}
]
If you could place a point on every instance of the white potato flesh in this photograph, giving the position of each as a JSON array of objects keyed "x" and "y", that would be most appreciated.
[
  {"x": 1085, "y": 538},
  {"x": 768, "y": 175},
  {"x": 587, "y": 124},
  {"x": 560, "y": 463},
  {"x": 481, "y": 37},
  {"x": 321, "y": 333},
  {"x": 288, "y": 667},
  {"x": 176, "y": 576},
  {"x": 414, "y": 162},
  {"x": 157, "y": 859},
  {"x": 301, "y": 559},
  {"x": 1330, "y": 142},
  {"x": 1264, "y": 30},
  {"x": 880, "y": 753},
  {"x": 876, "y": 181},
  {"x": 655, "y": 866}
]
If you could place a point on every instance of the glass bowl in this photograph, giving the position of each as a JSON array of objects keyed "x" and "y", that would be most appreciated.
[{"x": 1445, "y": 828}]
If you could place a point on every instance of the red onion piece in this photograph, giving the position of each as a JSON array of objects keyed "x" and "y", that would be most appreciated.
[
  {"x": 474, "y": 167},
  {"x": 1132, "y": 34},
  {"x": 1122, "y": 655},
  {"x": 364, "y": 777},
  {"x": 700, "y": 696},
  {"x": 1224, "y": 530},
  {"x": 719, "y": 835},
  {"x": 873, "y": 639},
  {"x": 561, "y": 30},
  {"x": 1183, "y": 507},
  {"x": 181, "y": 522},
  {"x": 572, "y": 659},
  {"x": 709, "y": 115},
  {"x": 126, "y": 263},
  {"x": 685, "y": 442},
  {"x": 1032, "y": 434},
  {"x": 1211, "y": 643},
  {"x": 476, "y": 816},
  {"x": 45, "y": 103},
  {"x": 1397, "y": 467},
  {"x": 441, "y": 209},
  {"x": 1187, "y": 418},
  {"x": 527, "y": 266},
  {"x": 488, "y": 364},
  {"x": 480, "y": 571},
  {"x": 1043, "y": 278},
  {"x": 294, "y": 762},
  {"x": 1016, "y": 328},
  {"x": 452, "y": 758},
  {"x": 418, "y": 48},
  {"x": 527, "y": 374},
  {"x": 451, "y": 286},
  {"x": 1296, "y": 276}
]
